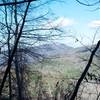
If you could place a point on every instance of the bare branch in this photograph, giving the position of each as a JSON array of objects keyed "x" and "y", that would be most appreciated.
[
  {"x": 84, "y": 72},
  {"x": 14, "y": 50},
  {"x": 14, "y": 3},
  {"x": 87, "y": 4}
]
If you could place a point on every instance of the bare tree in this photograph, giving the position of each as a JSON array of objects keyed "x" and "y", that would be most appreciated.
[
  {"x": 84, "y": 72},
  {"x": 21, "y": 28},
  {"x": 93, "y": 53}
]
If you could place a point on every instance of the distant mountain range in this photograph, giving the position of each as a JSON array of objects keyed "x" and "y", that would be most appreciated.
[
  {"x": 50, "y": 50},
  {"x": 60, "y": 49},
  {"x": 87, "y": 49},
  {"x": 53, "y": 49}
]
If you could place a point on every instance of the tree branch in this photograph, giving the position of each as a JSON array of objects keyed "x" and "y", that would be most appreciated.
[
  {"x": 14, "y": 3},
  {"x": 14, "y": 50},
  {"x": 84, "y": 72},
  {"x": 86, "y": 4}
]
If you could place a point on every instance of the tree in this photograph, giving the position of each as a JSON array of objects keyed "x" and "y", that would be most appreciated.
[
  {"x": 84, "y": 72},
  {"x": 20, "y": 30},
  {"x": 93, "y": 53}
]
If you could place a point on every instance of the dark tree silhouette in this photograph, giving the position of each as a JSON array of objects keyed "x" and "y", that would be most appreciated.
[
  {"x": 20, "y": 31},
  {"x": 84, "y": 72},
  {"x": 83, "y": 75}
]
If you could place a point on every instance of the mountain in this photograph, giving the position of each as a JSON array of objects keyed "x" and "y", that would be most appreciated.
[
  {"x": 87, "y": 49},
  {"x": 52, "y": 49},
  {"x": 37, "y": 53}
]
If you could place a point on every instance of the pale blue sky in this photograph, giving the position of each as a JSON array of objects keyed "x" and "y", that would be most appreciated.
[{"x": 85, "y": 21}]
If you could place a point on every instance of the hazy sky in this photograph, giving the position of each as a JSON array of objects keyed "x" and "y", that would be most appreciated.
[{"x": 82, "y": 21}]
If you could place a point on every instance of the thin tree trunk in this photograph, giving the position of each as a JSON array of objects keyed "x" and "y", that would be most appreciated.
[
  {"x": 13, "y": 52},
  {"x": 10, "y": 88},
  {"x": 18, "y": 78},
  {"x": 84, "y": 72}
]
